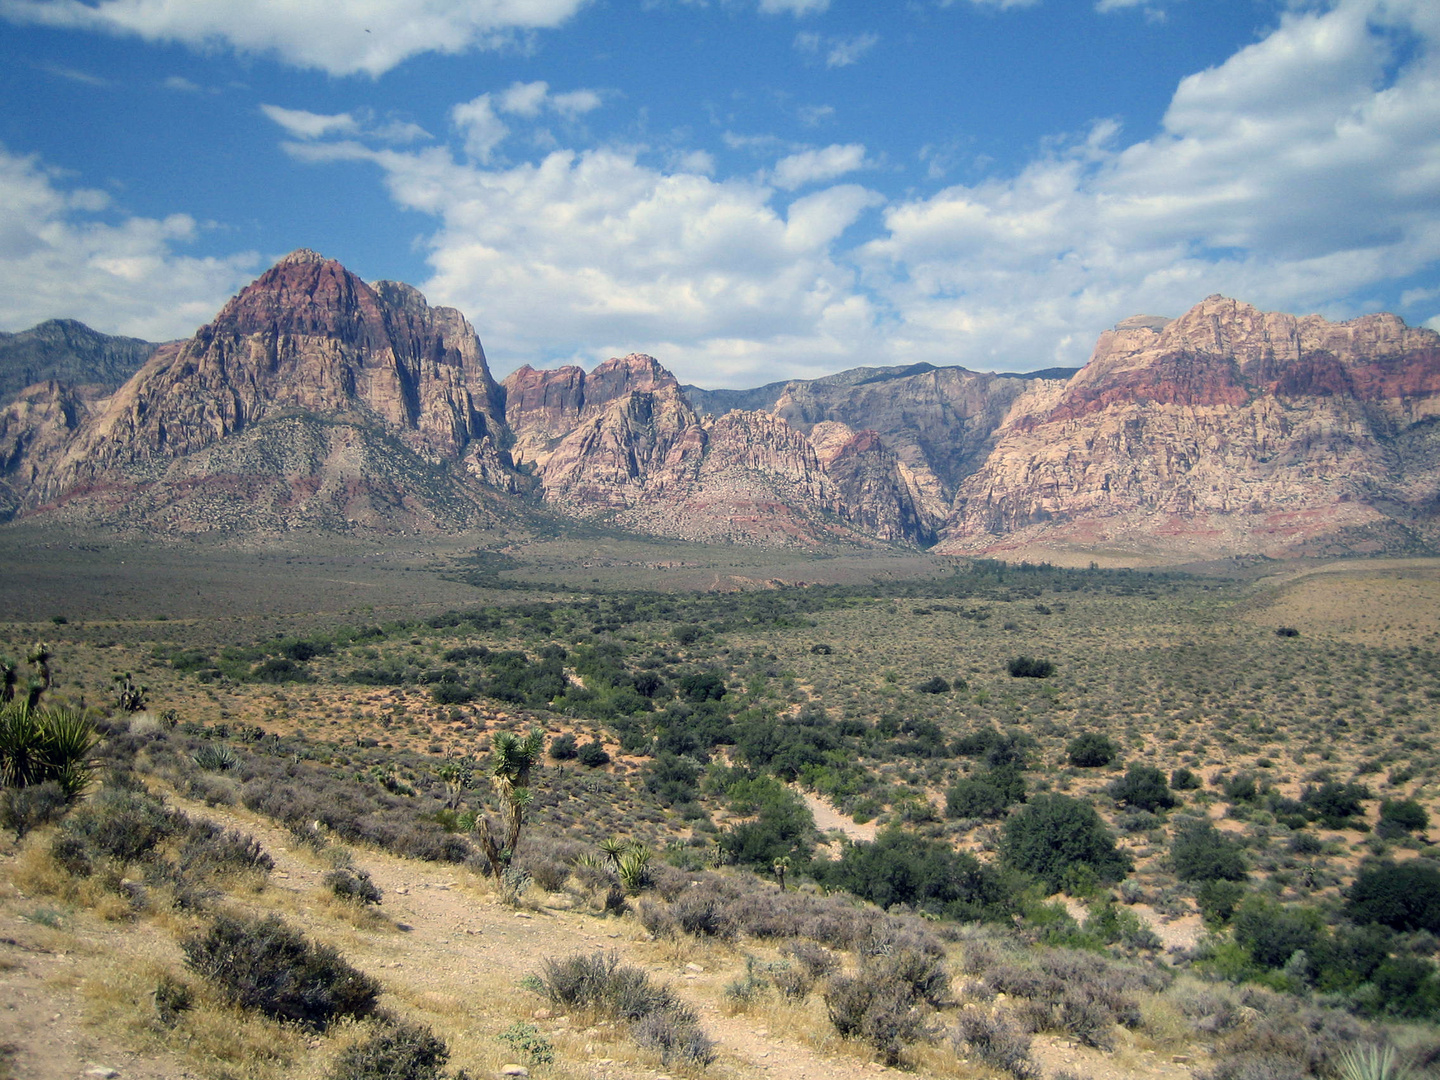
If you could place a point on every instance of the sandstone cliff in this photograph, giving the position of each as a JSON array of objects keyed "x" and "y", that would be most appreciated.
[
  {"x": 307, "y": 339},
  {"x": 1226, "y": 431}
]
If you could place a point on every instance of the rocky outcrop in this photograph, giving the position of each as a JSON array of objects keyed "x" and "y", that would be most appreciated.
[
  {"x": 623, "y": 443},
  {"x": 1226, "y": 431},
  {"x": 307, "y": 339}
]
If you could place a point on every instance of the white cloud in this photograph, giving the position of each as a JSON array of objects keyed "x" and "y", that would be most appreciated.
[
  {"x": 342, "y": 39},
  {"x": 308, "y": 125},
  {"x": 301, "y": 124},
  {"x": 816, "y": 166},
  {"x": 792, "y": 7},
  {"x": 85, "y": 78},
  {"x": 846, "y": 51},
  {"x": 531, "y": 99},
  {"x": 583, "y": 252},
  {"x": 839, "y": 52},
  {"x": 1003, "y": 5},
  {"x": 482, "y": 129},
  {"x": 119, "y": 274},
  {"x": 1301, "y": 174},
  {"x": 1302, "y": 171},
  {"x": 815, "y": 115}
]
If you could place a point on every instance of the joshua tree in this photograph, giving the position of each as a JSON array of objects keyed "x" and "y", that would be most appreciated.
[
  {"x": 513, "y": 759},
  {"x": 456, "y": 776},
  {"x": 9, "y": 672}
]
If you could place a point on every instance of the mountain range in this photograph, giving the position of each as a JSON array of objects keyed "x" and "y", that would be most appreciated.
[{"x": 315, "y": 400}]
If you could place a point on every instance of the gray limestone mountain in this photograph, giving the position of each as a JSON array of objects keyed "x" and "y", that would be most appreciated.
[
  {"x": 315, "y": 400},
  {"x": 68, "y": 352}
]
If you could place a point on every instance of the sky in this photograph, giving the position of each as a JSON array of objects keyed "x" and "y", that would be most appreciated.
[{"x": 748, "y": 190}]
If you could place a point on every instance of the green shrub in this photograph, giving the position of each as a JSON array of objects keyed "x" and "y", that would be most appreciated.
[
  {"x": 1183, "y": 779},
  {"x": 1217, "y": 900},
  {"x": 901, "y": 867},
  {"x": 563, "y": 747},
  {"x": 1403, "y": 816},
  {"x": 1200, "y": 853},
  {"x": 527, "y": 1041},
  {"x": 592, "y": 754},
  {"x": 1407, "y": 987},
  {"x": 265, "y": 965},
  {"x": 975, "y": 798},
  {"x": 1091, "y": 750},
  {"x": 1028, "y": 667},
  {"x": 1274, "y": 932},
  {"x": 394, "y": 1051},
  {"x": 1143, "y": 787},
  {"x": 934, "y": 685},
  {"x": 776, "y": 824},
  {"x": 1403, "y": 896},
  {"x": 1334, "y": 804},
  {"x": 1054, "y": 834}
]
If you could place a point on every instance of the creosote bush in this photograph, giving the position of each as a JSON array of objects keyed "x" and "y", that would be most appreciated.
[
  {"x": 265, "y": 965},
  {"x": 394, "y": 1050},
  {"x": 1029, "y": 667}
]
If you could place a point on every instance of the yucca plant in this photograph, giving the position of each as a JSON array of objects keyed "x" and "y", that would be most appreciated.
[
  {"x": 1372, "y": 1063},
  {"x": 37, "y": 745},
  {"x": 215, "y": 757},
  {"x": 634, "y": 868}
]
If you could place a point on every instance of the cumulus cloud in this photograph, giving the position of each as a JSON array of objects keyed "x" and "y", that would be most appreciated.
[
  {"x": 816, "y": 166},
  {"x": 584, "y": 252},
  {"x": 69, "y": 253},
  {"x": 531, "y": 99},
  {"x": 342, "y": 39},
  {"x": 481, "y": 128},
  {"x": 1302, "y": 172}
]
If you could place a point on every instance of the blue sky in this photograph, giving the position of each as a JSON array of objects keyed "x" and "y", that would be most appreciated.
[{"x": 747, "y": 189}]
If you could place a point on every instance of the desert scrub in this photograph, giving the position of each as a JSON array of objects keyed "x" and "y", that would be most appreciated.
[
  {"x": 353, "y": 886},
  {"x": 394, "y": 1050},
  {"x": 996, "y": 1040},
  {"x": 263, "y": 964},
  {"x": 658, "y": 1019}
]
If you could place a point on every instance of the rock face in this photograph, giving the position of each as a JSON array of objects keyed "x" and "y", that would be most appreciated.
[
  {"x": 624, "y": 443},
  {"x": 1227, "y": 431},
  {"x": 308, "y": 339},
  {"x": 317, "y": 401}
]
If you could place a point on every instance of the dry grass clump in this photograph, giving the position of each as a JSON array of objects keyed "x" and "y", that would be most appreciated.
[{"x": 658, "y": 1019}]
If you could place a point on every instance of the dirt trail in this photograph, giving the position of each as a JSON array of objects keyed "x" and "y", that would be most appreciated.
[{"x": 442, "y": 940}]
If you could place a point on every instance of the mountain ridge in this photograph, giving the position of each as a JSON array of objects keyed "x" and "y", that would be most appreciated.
[{"x": 316, "y": 400}]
